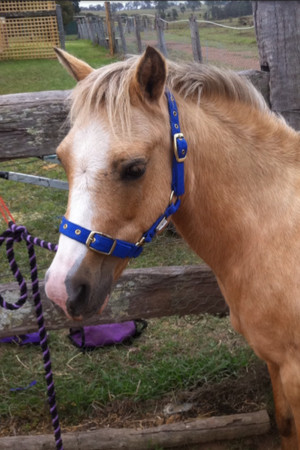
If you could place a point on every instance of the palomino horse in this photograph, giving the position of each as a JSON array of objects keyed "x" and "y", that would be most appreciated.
[{"x": 240, "y": 211}]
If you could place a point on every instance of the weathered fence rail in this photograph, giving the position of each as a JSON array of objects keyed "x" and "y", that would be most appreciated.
[
  {"x": 146, "y": 293},
  {"x": 33, "y": 124},
  {"x": 176, "y": 435}
]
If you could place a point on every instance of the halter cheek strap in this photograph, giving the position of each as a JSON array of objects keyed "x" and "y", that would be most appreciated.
[{"x": 105, "y": 244}]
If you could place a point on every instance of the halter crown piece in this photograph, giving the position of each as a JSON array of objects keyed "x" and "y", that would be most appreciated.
[{"x": 106, "y": 245}]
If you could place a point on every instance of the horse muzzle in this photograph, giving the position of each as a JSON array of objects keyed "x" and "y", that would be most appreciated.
[{"x": 80, "y": 292}]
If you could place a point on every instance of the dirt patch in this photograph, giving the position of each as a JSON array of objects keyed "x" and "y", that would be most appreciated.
[
  {"x": 235, "y": 60},
  {"x": 221, "y": 57}
]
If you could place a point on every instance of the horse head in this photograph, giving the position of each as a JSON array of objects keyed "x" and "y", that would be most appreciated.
[{"x": 118, "y": 161}]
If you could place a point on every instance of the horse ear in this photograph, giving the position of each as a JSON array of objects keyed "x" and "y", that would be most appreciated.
[
  {"x": 150, "y": 76},
  {"x": 77, "y": 69}
]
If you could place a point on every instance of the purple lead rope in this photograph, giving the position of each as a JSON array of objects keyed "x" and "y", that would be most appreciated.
[{"x": 13, "y": 234}]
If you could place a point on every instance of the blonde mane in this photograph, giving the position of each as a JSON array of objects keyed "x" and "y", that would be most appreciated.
[{"x": 110, "y": 84}]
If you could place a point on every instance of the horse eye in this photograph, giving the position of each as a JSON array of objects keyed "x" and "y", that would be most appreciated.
[{"x": 133, "y": 171}]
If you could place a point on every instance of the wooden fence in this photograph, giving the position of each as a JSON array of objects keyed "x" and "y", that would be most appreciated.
[{"x": 95, "y": 29}]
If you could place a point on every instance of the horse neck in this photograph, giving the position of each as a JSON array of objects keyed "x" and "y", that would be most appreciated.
[{"x": 238, "y": 166}]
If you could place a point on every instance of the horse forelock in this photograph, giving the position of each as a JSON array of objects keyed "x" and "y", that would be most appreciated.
[{"x": 109, "y": 88}]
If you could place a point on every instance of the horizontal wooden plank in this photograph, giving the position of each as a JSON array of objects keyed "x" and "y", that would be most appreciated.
[
  {"x": 175, "y": 435},
  {"x": 33, "y": 124},
  {"x": 139, "y": 293}
]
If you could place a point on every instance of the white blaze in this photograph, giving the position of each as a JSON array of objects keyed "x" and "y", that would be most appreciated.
[{"x": 89, "y": 156}]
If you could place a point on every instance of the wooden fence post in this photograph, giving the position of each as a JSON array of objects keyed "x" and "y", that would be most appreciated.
[
  {"x": 128, "y": 25},
  {"x": 79, "y": 29},
  {"x": 122, "y": 36},
  {"x": 83, "y": 29},
  {"x": 93, "y": 26},
  {"x": 60, "y": 25},
  {"x": 196, "y": 46},
  {"x": 145, "y": 23},
  {"x": 86, "y": 28},
  {"x": 101, "y": 33},
  {"x": 111, "y": 39},
  {"x": 90, "y": 29},
  {"x": 138, "y": 34},
  {"x": 161, "y": 36}
]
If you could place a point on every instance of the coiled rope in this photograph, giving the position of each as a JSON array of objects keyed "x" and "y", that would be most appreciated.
[{"x": 13, "y": 234}]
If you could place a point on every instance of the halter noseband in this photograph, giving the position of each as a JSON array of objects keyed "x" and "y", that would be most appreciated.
[{"x": 106, "y": 245}]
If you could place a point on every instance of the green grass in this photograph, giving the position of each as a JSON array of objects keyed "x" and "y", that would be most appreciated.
[
  {"x": 169, "y": 357},
  {"x": 48, "y": 74},
  {"x": 235, "y": 40},
  {"x": 35, "y": 207}
]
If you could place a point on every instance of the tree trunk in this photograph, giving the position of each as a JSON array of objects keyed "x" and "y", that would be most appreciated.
[{"x": 278, "y": 39}]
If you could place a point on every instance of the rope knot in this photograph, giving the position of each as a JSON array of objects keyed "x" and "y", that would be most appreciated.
[{"x": 18, "y": 232}]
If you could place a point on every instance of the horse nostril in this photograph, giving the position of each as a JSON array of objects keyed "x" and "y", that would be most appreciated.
[{"x": 78, "y": 299}]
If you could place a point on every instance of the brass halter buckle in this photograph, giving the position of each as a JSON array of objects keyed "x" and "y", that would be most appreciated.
[
  {"x": 178, "y": 157},
  {"x": 140, "y": 242},
  {"x": 91, "y": 238}
]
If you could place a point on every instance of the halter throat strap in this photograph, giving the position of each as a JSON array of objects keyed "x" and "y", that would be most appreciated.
[{"x": 105, "y": 244}]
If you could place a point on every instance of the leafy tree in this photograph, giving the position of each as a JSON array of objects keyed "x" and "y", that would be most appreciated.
[
  {"x": 131, "y": 5},
  {"x": 67, "y": 9},
  {"x": 76, "y": 6},
  {"x": 216, "y": 3},
  {"x": 217, "y": 12},
  {"x": 116, "y": 6},
  {"x": 174, "y": 14},
  {"x": 182, "y": 9},
  {"x": 193, "y": 4},
  {"x": 237, "y": 8},
  {"x": 161, "y": 6},
  {"x": 146, "y": 4}
]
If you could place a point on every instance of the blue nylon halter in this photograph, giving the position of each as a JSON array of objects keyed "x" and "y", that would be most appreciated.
[{"x": 106, "y": 245}]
